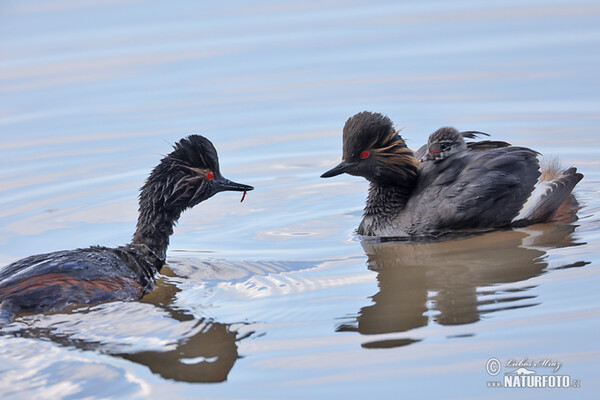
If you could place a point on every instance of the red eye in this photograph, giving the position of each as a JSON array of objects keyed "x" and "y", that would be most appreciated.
[
  {"x": 210, "y": 175},
  {"x": 364, "y": 154}
]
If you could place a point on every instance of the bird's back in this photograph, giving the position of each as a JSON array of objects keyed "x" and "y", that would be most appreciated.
[
  {"x": 472, "y": 190},
  {"x": 51, "y": 281}
]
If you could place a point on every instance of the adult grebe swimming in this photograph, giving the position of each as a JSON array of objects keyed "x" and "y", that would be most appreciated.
[
  {"x": 49, "y": 282},
  {"x": 470, "y": 190}
]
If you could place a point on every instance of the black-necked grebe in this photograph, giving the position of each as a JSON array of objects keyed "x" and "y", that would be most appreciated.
[
  {"x": 50, "y": 282},
  {"x": 472, "y": 190}
]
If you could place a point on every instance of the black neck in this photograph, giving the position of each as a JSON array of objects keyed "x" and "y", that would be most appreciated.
[
  {"x": 384, "y": 202},
  {"x": 143, "y": 261},
  {"x": 154, "y": 227}
]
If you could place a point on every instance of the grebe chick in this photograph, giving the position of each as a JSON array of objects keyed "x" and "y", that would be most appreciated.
[{"x": 448, "y": 141}]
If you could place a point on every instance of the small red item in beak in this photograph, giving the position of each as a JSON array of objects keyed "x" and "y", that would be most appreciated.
[
  {"x": 243, "y": 196},
  {"x": 435, "y": 151}
]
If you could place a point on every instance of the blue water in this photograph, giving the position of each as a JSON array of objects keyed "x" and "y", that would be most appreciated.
[{"x": 275, "y": 297}]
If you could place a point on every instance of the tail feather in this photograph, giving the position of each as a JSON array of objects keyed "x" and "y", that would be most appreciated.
[
  {"x": 567, "y": 211},
  {"x": 547, "y": 197}
]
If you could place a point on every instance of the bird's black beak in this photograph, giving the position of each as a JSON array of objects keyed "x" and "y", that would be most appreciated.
[
  {"x": 426, "y": 157},
  {"x": 343, "y": 167},
  {"x": 223, "y": 184}
]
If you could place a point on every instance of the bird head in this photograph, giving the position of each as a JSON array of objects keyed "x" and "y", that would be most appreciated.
[
  {"x": 187, "y": 176},
  {"x": 373, "y": 149},
  {"x": 443, "y": 143}
]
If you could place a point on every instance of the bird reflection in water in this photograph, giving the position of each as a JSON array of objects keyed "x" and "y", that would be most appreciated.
[
  {"x": 206, "y": 356},
  {"x": 451, "y": 282},
  {"x": 191, "y": 349}
]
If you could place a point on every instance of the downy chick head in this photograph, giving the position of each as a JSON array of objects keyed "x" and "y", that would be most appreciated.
[
  {"x": 373, "y": 149},
  {"x": 187, "y": 176},
  {"x": 443, "y": 143}
]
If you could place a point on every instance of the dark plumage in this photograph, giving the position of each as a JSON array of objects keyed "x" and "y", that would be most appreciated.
[
  {"x": 49, "y": 282},
  {"x": 468, "y": 190}
]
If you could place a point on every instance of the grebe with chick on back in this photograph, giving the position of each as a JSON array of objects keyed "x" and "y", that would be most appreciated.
[{"x": 467, "y": 191}]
